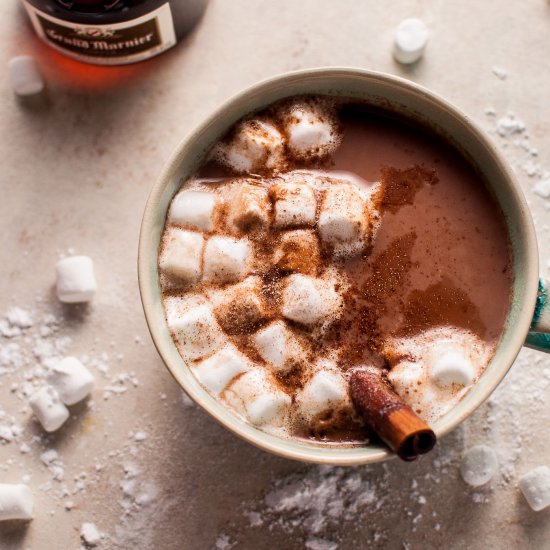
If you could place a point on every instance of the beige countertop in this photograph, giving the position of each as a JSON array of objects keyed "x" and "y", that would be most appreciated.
[{"x": 76, "y": 170}]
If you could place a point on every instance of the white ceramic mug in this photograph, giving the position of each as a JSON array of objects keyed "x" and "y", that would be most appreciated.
[{"x": 528, "y": 320}]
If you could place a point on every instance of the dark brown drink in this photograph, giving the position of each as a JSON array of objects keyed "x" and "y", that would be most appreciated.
[{"x": 113, "y": 32}]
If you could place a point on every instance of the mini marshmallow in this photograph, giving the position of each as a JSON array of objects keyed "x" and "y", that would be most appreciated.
[
  {"x": 535, "y": 486},
  {"x": 181, "y": 254},
  {"x": 479, "y": 465},
  {"x": 72, "y": 380},
  {"x": 90, "y": 534},
  {"x": 197, "y": 332},
  {"x": 215, "y": 372},
  {"x": 226, "y": 259},
  {"x": 298, "y": 252},
  {"x": 16, "y": 502},
  {"x": 278, "y": 346},
  {"x": 295, "y": 204},
  {"x": 411, "y": 37},
  {"x": 311, "y": 131},
  {"x": 241, "y": 307},
  {"x": 343, "y": 219},
  {"x": 194, "y": 209},
  {"x": 75, "y": 279},
  {"x": 326, "y": 390},
  {"x": 257, "y": 397},
  {"x": 250, "y": 207},
  {"x": 48, "y": 408},
  {"x": 452, "y": 367},
  {"x": 26, "y": 79},
  {"x": 309, "y": 301},
  {"x": 256, "y": 145}
]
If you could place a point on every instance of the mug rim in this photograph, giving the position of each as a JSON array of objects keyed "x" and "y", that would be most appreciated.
[{"x": 148, "y": 284}]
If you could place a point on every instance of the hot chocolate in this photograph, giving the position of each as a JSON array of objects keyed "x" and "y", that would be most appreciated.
[{"x": 321, "y": 237}]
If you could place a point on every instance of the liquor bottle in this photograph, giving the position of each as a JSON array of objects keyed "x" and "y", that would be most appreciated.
[{"x": 113, "y": 32}]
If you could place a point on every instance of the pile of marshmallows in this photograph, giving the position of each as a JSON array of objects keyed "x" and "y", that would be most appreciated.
[
  {"x": 232, "y": 297},
  {"x": 68, "y": 382}
]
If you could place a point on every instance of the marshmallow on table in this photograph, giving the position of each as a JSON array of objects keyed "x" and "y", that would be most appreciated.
[
  {"x": 75, "y": 279},
  {"x": 48, "y": 408},
  {"x": 535, "y": 486},
  {"x": 250, "y": 207},
  {"x": 343, "y": 219},
  {"x": 256, "y": 396},
  {"x": 196, "y": 331},
  {"x": 217, "y": 371},
  {"x": 311, "y": 131},
  {"x": 226, "y": 259},
  {"x": 26, "y": 79},
  {"x": 326, "y": 390},
  {"x": 310, "y": 301},
  {"x": 181, "y": 254},
  {"x": 298, "y": 251},
  {"x": 278, "y": 346},
  {"x": 72, "y": 380},
  {"x": 194, "y": 209},
  {"x": 240, "y": 307},
  {"x": 256, "y": 145},
  {"x": 479, "y": 465},
  {"x": 16, "y": 502},
  {"x": 295, "y": 204},
  {"x": 411, "y": 37},
  {"x": 90, "y": 534}
]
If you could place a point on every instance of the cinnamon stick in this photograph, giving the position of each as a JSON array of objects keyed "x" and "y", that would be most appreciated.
[{"x": 388, "y": 415}]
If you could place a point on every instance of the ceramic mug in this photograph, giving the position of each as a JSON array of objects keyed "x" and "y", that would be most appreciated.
[{"x": 528, "y": 321}]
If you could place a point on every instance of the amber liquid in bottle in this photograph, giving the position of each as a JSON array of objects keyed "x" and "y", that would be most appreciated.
[{"x": 113, "y": 32}]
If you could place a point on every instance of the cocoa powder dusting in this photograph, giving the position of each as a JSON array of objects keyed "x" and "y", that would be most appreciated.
[
  {"x": 442, "y": 303},
  {"x": 380, "y": 285},
  {"x": 400, "y": 186}
]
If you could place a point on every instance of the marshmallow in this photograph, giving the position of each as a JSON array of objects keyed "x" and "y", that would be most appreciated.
[
  {"x": 295, "y": 204},
  {"x": 535, "y": 486},
  {"x": 310, "y": 301},
  {"x": 215, "y": 372},
  {"x": 257, "y": 397},
  {"x": 194, "y": 209},
  {"x": 343, "y": 219},
  {"x": 72, "y": 380},
  {"x": 326, "y": 390},
  {"x": 278, "y": 346},
  {"x": 452, "y": 367},
  {"x": 239, "y": 308},
  {"x": 298, "y": 251},
  {"x": 181, "y": 253},
  {"x": 90, "y": 534},
  {"x": 226, "y": 259},
  {"x": 411, "y": 37},
  {"x": 16, "y": 501},
  {"x": 26, "y": 79},
  {"x": 48, "y": 408},
  {"x": 424, "y": 368},
  {"x": 250, "y": 207},
  {"x": 196, "y": 331},
  {"x": 75, "y": 279},
  {"x": 479, "y": 465},
  {"x": 311, "y": 131},
  {"x": 256, "y": 145}
]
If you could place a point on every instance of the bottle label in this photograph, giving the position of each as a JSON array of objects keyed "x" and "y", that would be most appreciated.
[{"x": 111, "y": 44}]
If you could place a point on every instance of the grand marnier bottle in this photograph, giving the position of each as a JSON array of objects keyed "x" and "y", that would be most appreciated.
[{"x": 113, "y": 32}]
